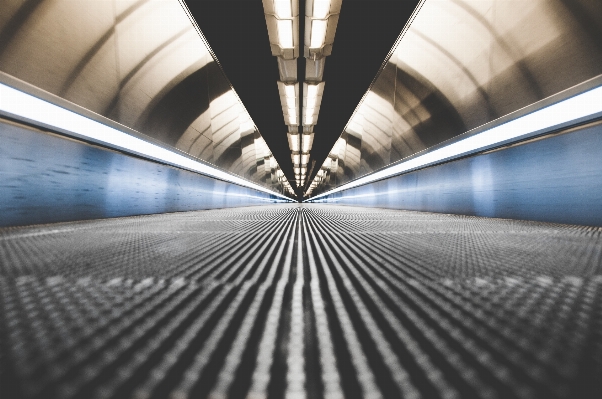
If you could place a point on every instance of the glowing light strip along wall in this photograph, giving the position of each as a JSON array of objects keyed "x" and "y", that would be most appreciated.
[
  {"x": 580, "y": 106},
  {"x": 24, "y": 105}
]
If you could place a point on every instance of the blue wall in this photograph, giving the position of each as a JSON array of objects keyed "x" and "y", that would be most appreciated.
[
  {"x": 46, "y": 178},
  {"x": 553, "y": 179}
]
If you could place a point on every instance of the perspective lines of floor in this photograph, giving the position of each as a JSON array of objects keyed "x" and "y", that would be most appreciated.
[{"x": 296, "y": 301}]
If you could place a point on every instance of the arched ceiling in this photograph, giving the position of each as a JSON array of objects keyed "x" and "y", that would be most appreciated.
[
  {"x": 237, "y": 33},
  {"x": 142, "y": 64},
  {"x": 460, "y": 65}
]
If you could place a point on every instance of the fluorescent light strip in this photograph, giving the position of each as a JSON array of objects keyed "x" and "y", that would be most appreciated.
[
  {"x": 285, "y": 33},
  {"x": 321, "y": 8},
  {"x": 309, "y": 120},
  {"x": 16, "y": 102},
  {"x": 292, "y": 120},
  {"x": 318, "y": 33},
  {"x": 573, "y": 108},
  {"x": 291, "y": 102},
  {"x": 306, "y": 142},
  {"x": 282, "y": 8},
  {"x": 289, "y": 91}
]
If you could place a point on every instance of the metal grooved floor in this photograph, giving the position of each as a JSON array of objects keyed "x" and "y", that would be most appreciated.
[{"x": 301, "y": 302}]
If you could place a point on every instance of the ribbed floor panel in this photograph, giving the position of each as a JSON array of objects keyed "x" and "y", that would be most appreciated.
[{"x": 301, "y": 302}]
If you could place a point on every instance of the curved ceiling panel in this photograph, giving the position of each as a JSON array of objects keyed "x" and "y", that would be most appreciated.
[
  {"x": 459, "y": 65},
  {"x": 142, "y": 64}
]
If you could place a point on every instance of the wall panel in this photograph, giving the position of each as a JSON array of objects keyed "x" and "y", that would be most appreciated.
[
  {"x": 46, "y": 178},
  {"x": 556, "y": 178}
]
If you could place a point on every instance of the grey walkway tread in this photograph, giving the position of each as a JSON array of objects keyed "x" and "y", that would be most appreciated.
[{"x": 301, "y": 302}]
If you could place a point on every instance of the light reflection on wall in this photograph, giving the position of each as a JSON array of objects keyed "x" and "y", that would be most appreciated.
[
  {"x": 461, "y": 64},
  {"x": 140, "y": 63}
]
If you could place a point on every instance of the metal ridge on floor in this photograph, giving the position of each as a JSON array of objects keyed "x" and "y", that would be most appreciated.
[{"x": 301, "y": 301}]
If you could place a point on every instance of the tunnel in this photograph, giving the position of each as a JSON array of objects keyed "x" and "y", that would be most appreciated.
[{"x": 300, "y": 199}]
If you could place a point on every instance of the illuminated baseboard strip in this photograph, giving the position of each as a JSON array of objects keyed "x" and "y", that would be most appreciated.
[
  {"x": 575, "y": 108},
  {"x": 23, "y": 105}
]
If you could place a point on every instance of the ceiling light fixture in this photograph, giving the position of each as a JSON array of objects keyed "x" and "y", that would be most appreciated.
[
  {"x": 293, "y": 142},
  {"x": 307, "y": 140},
  {"x": 289, "y": 94},
  {"x": 312, "y": 98},
  {"x": 322, "y": 17},
  {"x": 296, "y": 158},
  {"x": 282, "y": 20}
]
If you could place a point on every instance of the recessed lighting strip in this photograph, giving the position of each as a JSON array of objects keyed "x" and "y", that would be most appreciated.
[
  {"x": 14, "y": 102},
  {"x": 573, "y": 109}
]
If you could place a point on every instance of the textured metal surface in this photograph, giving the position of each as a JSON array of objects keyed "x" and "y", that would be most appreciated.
[
  {"x": 301, "y": 301},
  {"x": 557, "y": 178},
  {"x": 46, "y": 178}
]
